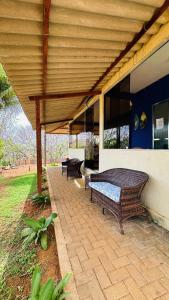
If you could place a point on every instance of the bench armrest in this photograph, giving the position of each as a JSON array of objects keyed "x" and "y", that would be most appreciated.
[{"x": 128, "y": 193}]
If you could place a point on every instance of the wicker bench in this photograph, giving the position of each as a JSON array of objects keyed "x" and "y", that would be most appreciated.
[{"x": 119, "y": 191}]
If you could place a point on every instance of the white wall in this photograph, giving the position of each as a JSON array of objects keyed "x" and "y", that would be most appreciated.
[
  {"x": 156, "y": 164},
  {"x": 76, "y": 153}
]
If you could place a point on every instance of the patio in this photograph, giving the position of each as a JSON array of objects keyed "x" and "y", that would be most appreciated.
[{"x": 105, "y": 264}]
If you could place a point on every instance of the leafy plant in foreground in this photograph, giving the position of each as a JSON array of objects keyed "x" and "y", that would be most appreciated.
[
  {"x": 49, "y": 290},
  {"x": 41, "y": 199},
  {"x": 36, "y": 230}
]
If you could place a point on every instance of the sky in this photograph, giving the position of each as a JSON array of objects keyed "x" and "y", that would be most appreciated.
[{"x": 22, "y": 120}]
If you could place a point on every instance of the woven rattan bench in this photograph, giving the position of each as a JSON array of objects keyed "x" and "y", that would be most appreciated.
[{"x": 119, "y": 191}]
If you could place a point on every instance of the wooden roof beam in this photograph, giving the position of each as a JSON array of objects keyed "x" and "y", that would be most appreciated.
[
  {"x": 58, "y": 121},
  {"x": 64, "y": 95},
  {"x": 61, "y": 126}
]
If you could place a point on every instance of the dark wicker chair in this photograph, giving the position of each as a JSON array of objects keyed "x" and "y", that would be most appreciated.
[
  {"x": 66, "y": 163},
  {"x": 131, "y": 183},
  {"x": 73, "y": 169}
]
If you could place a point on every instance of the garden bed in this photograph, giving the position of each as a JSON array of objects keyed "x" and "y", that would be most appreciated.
[
  {"x": 20, "y": 263},
  {"x": 48, "y": 260}
]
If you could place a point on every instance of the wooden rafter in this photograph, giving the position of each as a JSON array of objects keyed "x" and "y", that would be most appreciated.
[
  {"x": 64, "y": 95},
  {"x": 46, "y": 12}
]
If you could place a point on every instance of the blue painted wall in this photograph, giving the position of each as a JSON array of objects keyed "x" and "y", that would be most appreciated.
[{"x": 143, "y": 101}]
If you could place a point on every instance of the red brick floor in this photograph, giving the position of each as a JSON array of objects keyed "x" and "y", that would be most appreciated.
[{"x": 105, "y": 264}]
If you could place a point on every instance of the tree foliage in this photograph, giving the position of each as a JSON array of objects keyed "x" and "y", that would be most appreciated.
[
  {"x": 7, "y": 94},
  {"x": 1, "y": 149}
]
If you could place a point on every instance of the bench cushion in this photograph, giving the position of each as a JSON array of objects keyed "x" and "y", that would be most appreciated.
[{"x": 109, "y": 190}]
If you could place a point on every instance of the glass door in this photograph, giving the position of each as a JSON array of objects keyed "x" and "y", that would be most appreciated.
[
  {"x": 160, "y": 125},
  {"x": 92, "y": 137}
]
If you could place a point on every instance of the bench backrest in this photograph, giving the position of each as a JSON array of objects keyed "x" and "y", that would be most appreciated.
[{"x": 125, "y": 177}]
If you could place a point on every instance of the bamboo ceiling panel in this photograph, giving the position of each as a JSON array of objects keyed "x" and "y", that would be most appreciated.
[{"x": 84, "y": 38}]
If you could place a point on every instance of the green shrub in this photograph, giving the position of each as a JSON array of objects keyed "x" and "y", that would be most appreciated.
[
  {"x": 36, "y": 230},
  {"x": 41, "y": 199},
  {"x": 44, "y": 178},
  {"x": 43, "y": 169},
  {"x": 49, "y": 290},
  {"x": 45, "y": 188}
]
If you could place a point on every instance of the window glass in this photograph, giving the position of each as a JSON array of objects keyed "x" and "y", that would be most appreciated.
[
  {"x": 161, "y": 123},
  {"x": 117, "y": 109},
  {"x": 77, "y": 133},
  {"x": 72, "y": 141},
  {"x": 81, "y": 140},
  {"x": 124, "y": 136},
  {"x": 110, "y": 138}
]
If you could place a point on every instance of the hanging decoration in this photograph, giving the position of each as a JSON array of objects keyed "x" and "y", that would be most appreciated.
[
  {"x": 136, "y": 122},
  {"x": 143, "y": 120}
]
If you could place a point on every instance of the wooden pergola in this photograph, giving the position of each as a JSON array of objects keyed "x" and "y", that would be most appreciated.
[{"x": 61, "y": 54}]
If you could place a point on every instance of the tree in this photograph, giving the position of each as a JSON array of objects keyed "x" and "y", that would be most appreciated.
[
  {"x": 1, "y": 149},
  {"x": 7, "y": 94},
  {"x": 13, "y": 151},
  {"x": 57, "y": 147}
]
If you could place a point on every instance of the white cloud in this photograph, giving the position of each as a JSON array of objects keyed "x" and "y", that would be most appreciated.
[{"x": 22, "y": 120}]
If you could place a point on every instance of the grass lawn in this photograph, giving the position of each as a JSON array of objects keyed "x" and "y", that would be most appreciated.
[{"x": 14, "y": 192}]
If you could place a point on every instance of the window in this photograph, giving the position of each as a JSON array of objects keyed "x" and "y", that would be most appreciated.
[
  {"x": 92, "y": 137},
  {"x": 117, "y": 108},
  {"x": 110, "y": 138},
  {"x": 77, "y": 133},
  {"x": 84, "y": 133},
  {"x": 116, "y": 123},
  {"x": 72, "y": 141},
  {"x": 81, "y": 140},
  {"x": 124, "y": 137}
]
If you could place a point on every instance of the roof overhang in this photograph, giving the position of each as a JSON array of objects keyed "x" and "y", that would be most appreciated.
[{"x": 75, "y": 48}]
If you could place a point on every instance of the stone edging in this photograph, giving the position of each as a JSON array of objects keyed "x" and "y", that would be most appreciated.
[{"x": 64, "y": 262}]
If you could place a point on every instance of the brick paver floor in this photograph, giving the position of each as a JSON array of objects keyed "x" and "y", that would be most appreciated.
[{"x": 107, "y": 265}]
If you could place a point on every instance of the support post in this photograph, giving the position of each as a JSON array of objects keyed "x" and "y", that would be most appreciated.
[
  {"x": 45, "y": 148},
  {"x": 38, "y": 147},
  {"x": 76, "y": 141},
  {"x": 101, "y": 123}
]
